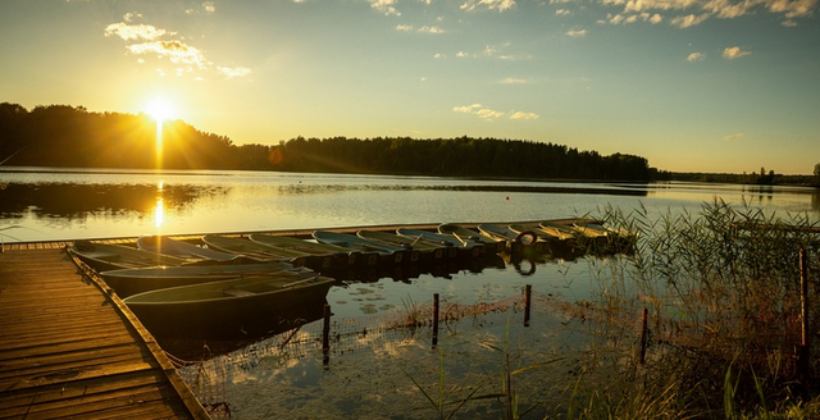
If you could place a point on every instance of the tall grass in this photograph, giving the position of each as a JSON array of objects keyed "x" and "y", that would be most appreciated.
[{"x": 723, "y": 290}]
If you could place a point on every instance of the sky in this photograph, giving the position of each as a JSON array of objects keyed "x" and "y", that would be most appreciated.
[{"x": 723, "y": 86}]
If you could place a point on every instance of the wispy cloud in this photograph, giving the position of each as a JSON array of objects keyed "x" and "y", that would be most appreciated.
[
  {"x": 499, "y": 5},
  {"x": 733, "y": 137},
  {"x": 576, "y": 33},
  {"x": 696, "y": 56},
  {"x": 732, "y": 53},
  {"x": 134, "y": 32},
  {"x": 176, "y": 51},
  {"x": 689, "y": 20},
  {"x": 148, "y": 40},
  {"x": 488, "y": 114},
  {"x": 512, "y": 81},
  {"x": 232, "y": 72},
  {"x": 697, "y": 11},
  {"x": 388, "y": 7},
  {"x": 518, "y": 115}
]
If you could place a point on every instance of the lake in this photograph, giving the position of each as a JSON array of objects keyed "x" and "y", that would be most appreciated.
[{"x": 372, "y": 371}]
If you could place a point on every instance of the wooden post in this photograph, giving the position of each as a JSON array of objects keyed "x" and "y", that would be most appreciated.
[
  {"x": 326, "y": 329},
  {"x": 644, "y": 334},
  {"x": 527, "y": 304},
  {"x": 435, "y": 320},
  {"x": 804, "y": 353},
  {"x": 326, "y": 337}
]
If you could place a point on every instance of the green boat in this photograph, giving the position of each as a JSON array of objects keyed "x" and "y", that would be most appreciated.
[
  {"x": 102, "y": 257},
  {"x": 341, "y": 257},
  {"x": 227, "y": 307},
  {"x": 466, "y": 249},
  {"x": 428, "y": 252},
  {"x": 127, "y": 282},
  {"x": 383, "y": 253},
  {"x": 255, "y": 250}
]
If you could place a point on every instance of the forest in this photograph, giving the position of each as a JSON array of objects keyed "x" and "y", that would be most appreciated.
[{"x": 66, "y": 136}]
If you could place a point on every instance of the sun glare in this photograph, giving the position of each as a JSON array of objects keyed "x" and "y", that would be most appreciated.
[{"x": 160, "y": 110}]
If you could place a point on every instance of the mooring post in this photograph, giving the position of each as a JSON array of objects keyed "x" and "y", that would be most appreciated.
[
  {"x": 527, "y": 304},
  {"x": 435, "y": 320},
  {"x": 644, "y": 334},
  {"x": 804, "y": 353},
  {"x": 326, "y": 329}
]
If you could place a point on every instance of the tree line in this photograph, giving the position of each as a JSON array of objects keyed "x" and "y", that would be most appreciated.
[{"x": 65, "y": 136}]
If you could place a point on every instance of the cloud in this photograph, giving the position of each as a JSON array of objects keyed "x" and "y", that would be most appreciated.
[
  {"x": 209, "y": 7},
  {"x": 431, "y": 30},
  {"x": 500, "y": 5},
  {"x": 176, "y": 51},
  {"x": 144, "y": 40},
  {"x": 733, "y": 137},
  {"x": 468, "y": 109},
  {"x": 512, "y": 81},
  {"x": 488, "y": 114},
  {"x": 385, "y": 6},
  {"x": 128, "y": 17},
  {"x": 700, "y": 10},
  {"x": 524, "y": 116},
  {"x": 562, "y": 12},
  {"x": 232, "y": 72},
  {"x": 696, "y": 56},
  {"x": 135, "y": 32},
  {"x": 404, "y": 28},
  {"x": 731, "y": 53},
  {"x": 576, "y": 33},
  {"x": 687, "y": 21}
]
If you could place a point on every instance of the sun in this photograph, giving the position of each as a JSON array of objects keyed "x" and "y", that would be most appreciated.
[{"x": 160, "y": 109}]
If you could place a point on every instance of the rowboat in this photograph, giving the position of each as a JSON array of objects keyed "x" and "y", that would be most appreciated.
[
  {"x": 464, "y": 234},
  {"x": 103, "y": 257},
  {"x": 127, "y": 282},
  {"x": 427, "y": 252},
  {"x": 524, "y": 239},
  {"x": 228, "y": 306},
  {"x": 340, "y": 256},
  {"x": 467, "y": 249},
  {"x": 180, "y": 249},
  {"x": 383, "y": 253},
  {"x": 257, "y": 251}
]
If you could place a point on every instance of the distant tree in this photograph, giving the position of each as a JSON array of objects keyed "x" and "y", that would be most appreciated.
[{"x": 817, "y": 173}]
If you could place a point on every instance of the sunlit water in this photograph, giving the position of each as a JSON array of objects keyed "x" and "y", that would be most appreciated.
[{"x": 39, "y": 205}]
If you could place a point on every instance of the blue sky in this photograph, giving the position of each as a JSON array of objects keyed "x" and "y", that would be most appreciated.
[{"x": 692, "y": 85}]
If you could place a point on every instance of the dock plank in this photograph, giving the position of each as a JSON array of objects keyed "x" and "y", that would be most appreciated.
[{"x": 68, "y": 348}]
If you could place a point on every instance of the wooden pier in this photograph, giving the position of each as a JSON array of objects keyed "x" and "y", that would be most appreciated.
[{"x": 71, "y": 349}]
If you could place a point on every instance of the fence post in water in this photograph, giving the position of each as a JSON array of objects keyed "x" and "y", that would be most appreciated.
[
  {"x": 435, "y": 320},
  {"x": 644, "y": 334},
  {"x": 527, "y": 304},
  {"x": 804, "y": 352},
  {"x": 326, "y": 330}
]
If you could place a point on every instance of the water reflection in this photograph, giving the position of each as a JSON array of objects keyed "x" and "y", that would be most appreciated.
[{"x": 76, "y": 201}]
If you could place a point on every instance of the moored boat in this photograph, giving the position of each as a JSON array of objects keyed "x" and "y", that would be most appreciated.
[
  {"x": 257, "y": 251},
  {"x": 127, "y": 282},
  {"x": 228, "y": 306},
  {"x": 341, "y": 256},
  {"x": 428, "y": 252},
  {"x": 180, "y": 249},
  {"x": 384, "y": 253},
  {"x": 467, "y": 249},
  {"x": 103, "y": 257},
  {"x": 517, "y": 240},
  {"x": 465, "y": 234}
]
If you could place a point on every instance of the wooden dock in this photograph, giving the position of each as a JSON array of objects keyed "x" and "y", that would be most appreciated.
[{"x": 70, "y": 349}]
